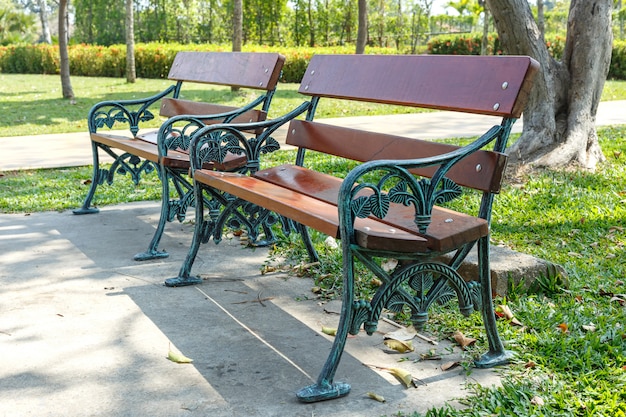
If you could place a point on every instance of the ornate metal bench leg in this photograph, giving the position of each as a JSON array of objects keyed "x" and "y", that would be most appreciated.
[
  {"x": 325, "y": 389},
  {"x": 184, "y": 277},
  {"x": 153, "y": 248},
  {"x": 497, "y": 355},
  {"x": 306, "y": 239},
  {"x": 95, "y": 181}
]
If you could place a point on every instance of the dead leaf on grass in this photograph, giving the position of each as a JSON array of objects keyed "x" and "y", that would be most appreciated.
[
  {"x": 463, "y": 340},
  {"x": 450, "y": 365}
]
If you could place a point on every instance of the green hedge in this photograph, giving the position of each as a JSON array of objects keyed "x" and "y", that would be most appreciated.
[
  {"x": 153, "y": 60},
  {"x": 471, "y": 45}
]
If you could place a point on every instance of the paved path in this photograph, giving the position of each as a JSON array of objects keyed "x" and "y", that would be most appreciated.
[
  {"x": 74, "y": 149},
  {"x": 85, "y": 330}
]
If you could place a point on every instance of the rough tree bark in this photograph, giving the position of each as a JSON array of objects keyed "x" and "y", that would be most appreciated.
[
  {"x": 559, "y": 121},
  {"x": 361, "y": 34},
  {"x": 66, "y": 85},
  {"x": 237, "y": 25},
  {"x": 131, "y": 74},
  {"x": 43, "y": 16}
]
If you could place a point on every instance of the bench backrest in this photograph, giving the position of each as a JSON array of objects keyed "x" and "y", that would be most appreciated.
[
  {"x": 254, "y": 70},
  {"x": 494, "y": 85}
]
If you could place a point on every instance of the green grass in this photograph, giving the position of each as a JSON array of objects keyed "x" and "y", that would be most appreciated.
[
  {"x": 30, "y": 106},
  {"x": 574, "y": 218}
]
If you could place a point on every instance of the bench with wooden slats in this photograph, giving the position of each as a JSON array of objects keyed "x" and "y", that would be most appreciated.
[
  {"x": 136, "y": 152},
  {"x": 401, "y": 201}
]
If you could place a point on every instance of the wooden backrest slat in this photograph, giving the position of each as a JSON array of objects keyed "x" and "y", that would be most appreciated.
[
  {"x": 173, "y": 107},
  {"x": 239, "y": 69},
  {"x": 365, "y": 146},
  {"x": 494, "y": 85}
]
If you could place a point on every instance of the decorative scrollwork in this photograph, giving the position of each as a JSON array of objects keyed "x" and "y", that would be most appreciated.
[
  {"x": 417, "y": 286},
  {"x": 131, "y": 165},
  {"x": 422, "y": 194},
  {"x": 119, "y": 114}
]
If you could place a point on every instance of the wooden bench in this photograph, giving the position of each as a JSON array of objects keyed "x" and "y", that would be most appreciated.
[
  {"x": 166, "y": 149},
  {"x": 392, "y": 205}
]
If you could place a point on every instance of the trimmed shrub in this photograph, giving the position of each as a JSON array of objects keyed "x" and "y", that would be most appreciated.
[{"x": 153, "y": 60}]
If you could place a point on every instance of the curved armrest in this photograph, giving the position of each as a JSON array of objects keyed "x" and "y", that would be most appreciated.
[
  {"x": 212, "y": 143},
  {"x": 108, "y": 113},
  {"x": 176, "y": 131},
  {"x": 362, "y": 195}
]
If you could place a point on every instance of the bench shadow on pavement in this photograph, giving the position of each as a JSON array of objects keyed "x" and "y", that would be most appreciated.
[{"x": 96, "y": 328}]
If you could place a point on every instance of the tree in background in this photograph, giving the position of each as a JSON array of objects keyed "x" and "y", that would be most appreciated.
[
  {"x": 131, "y": 75},
  {"x": 237, "y": 25},
  {"x": 361, "y": 36},
  {"x": 66, "y": 85},
  {"x": 559, "y": 121}
]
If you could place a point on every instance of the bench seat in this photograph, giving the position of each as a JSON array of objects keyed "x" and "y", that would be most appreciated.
[{"x": 403, "y": 198}]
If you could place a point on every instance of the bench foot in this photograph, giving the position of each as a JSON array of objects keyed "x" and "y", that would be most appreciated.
[
  {"x": 89, "y": 210},
  {"x": 146, "y": 256},
  {"x": 491, "y": 359},
  {"x": 322, "y": 392},
  {"x": 182, "y": 282}
]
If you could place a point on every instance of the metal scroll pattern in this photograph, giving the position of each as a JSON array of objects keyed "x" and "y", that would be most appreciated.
[{"x": 417, "y": 286}]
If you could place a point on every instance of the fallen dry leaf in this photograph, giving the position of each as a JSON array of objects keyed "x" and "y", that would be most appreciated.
[
  {"x": 331, "y": 331},
  {"x": 530, "y": 365},
  {"x": 508, "y": 314},
  {"x": 399, "y": 345},
  {"x": 462, "y": 340},
  {"x": 178, "y": 357},
  {"x": 538, "y": 401},
  {"x": 402, "y": 375},
  {"x": 450, "y": 365},
  {"x": 376, "y": 397},
  {"x": 589, "y": 327},
  {"x": 563, "y": 327},
  {"x": 389, "y": 265}
]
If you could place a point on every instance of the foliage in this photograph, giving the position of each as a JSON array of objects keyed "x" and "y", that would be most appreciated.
[
  {"x": 152, "y": 60},
  {"x": 470, "y": 44},
  {"x": 15, "y": 26}
]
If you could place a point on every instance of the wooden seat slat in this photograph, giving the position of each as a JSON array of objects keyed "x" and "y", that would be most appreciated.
[
  {"x": 359, "y": 145},
  {"x": 308, "y": 210},
  {"x": 448, "y": 230}
]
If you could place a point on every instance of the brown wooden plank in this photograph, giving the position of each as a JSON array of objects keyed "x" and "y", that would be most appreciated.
[
  {"x": 133, "y": 146},
  {"x": 174, "y": 107},
  {"x": 364, "y": 146},
  {"x": 448, "y": 228},
  {"x": 240, "y": 69},
  {"x": 307, "y": 210},
  {"x": 495, "y": 85},
  {"x": 145, "y": 147}
]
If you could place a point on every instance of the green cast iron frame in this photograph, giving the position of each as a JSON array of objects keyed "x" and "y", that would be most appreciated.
[{"x": 420, "y": 279}]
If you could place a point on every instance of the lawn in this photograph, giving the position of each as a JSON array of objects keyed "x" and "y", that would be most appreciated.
[{"x": 571, "y": 349}]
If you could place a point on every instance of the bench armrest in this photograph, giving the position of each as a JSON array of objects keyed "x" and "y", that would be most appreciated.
[
  {"x": 108, "y": 113},
  {"x": 212, "y": 143},
  {"x": 371, "y": 187}
]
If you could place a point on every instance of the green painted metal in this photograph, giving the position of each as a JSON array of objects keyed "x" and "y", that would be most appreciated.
[{"x": 174, "y": 134}]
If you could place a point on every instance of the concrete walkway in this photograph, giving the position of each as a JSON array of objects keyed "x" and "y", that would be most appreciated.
[{"x": 85, "y": 331}]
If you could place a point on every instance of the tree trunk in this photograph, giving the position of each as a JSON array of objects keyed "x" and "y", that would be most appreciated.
[
  {"x": 361, "y": 36},
  {"x": 484, "y": 45},
  {"x": 541, "y": 21},
  {"x": 66, "y": 85},
  {"x": 45, "y": 27},
  {"x": 559, "y": 121},
  {"x": 131, "y": 75},
  {"x": 237, "y": 25}
]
